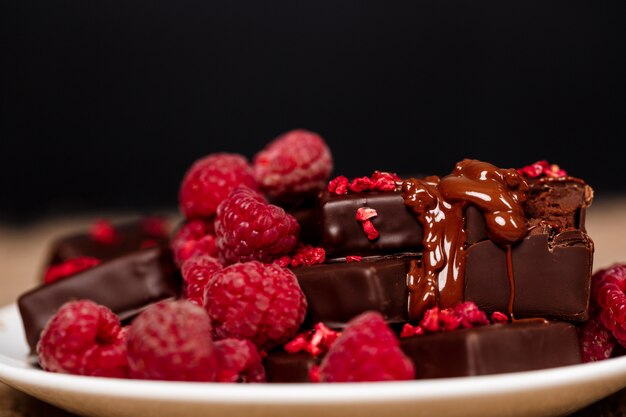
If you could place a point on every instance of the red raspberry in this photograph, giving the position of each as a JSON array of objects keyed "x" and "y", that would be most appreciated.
[
  {"x": 608, "y": 286},
  {"x": 102, "y": 231},
  {"x": 194, "y": 238},
  {"x": 315, "y": 342},
  {"x": 84, "y": 338},
  {"x": 248, "y": 228},
  {"x": 596, "y": 342},
  {"x": 238, "y": 361},
  {"x": 197, "y": 273},
  {"x": 366, "y": 351},
  {"x": 308, "y": 255},
  {"x": 172, "y": 341},
  {"x": 338, "y": 185},
  {"x": 471, "y": 315},
  {"x": 295, "y": 164},
  {"x": 259, "y": 302},
  {"x": 210, "y": 180},
  {"x": 69, "y": 267}
]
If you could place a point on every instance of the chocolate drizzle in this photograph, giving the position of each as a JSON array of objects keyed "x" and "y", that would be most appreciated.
[{"x": 439, "y": 205}]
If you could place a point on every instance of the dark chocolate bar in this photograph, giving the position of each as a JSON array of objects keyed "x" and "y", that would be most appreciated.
[
  {"x": 131, "y": 236},
  {"x": 484, "y": 350},
  {"x": 337, "y": 292},
  {"x": 552, "y": 280},
  {"x": 126, "y": 285}
]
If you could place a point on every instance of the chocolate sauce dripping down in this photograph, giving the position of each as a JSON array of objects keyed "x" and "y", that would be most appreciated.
[{"x": 439, "y": 205}]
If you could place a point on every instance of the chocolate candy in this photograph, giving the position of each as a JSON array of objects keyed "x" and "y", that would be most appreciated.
[
  {"x": 126, "y": 285},
  {"x": 478, "y": 351},
  {"x": 552, "y": 280},
  {"x": 337, "y": 292},
  {"x": 131, "y": 236}
]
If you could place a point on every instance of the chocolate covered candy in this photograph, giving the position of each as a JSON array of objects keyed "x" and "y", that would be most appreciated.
[
  {"x": 126, "y": 285},
  {"x": 484, "y": 350}
]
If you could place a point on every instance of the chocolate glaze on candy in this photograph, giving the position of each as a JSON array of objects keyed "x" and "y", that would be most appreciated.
[
  {"x": 126, "y": 285},
  {"x": 484, "y": 350}
]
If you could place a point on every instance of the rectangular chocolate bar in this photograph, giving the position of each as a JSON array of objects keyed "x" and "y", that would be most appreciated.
[
  {"x": 484, "y": 350},
  {"x": 130, "y": 237},
  {"x": 126, "y": 285},
  {"x": 552, "y": 280},
  {"x": 336, "y": 292}
]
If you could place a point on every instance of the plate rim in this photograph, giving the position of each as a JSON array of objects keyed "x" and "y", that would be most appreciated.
[{"x": 12, "y": 371}]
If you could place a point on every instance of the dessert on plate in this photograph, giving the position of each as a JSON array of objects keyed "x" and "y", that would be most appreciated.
[{"x": 279, "y": 272}]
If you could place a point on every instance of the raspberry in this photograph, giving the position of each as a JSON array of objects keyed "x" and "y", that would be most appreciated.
[
  {"x": 384, "y": 181},
  {"x": 363, "y": 215},
  {"x": 596, "y": 342},
  {"x": 498, "y": 317},
  {"x": 471, "y": 315},
  {"x": 84, "y": 338},
  {"x": 338, "y": 185},
  {"x": 210, "y": 180},
  {"x": 194, "y": 238},
  {"x": 608, "y": 286},
  {"x": 308, "y": 255},
  {"x": 248, "y": 228},
  {"x": 542, "y": 168},
  {"x": 259, "y": 302},
  {"x": 238, "y": 361},
  {"x": 409, "y": 330},
  {"x": 353, "y": 258},
  {"x": 360, "y": 184},
  {"x": 69, "y": 267},
  {"x": 102, "y": 231},
  {"x": 296, "y": 164},
  {"x": 366, "y": 351},
  {"x": 172, "y": 341},
  {"x": 197, "y": 273}
]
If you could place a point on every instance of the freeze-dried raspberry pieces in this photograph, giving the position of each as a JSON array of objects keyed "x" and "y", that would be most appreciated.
[
  {"x": 68, "y": 268},
  {"x": 248, "y": 228},
  {"x": 194, "y": 238},
  {"x": 172, "y": 341},
  {"x": 315, "y": 342},
  {"x": 295, "y": 164},
  {"x": 210, "y": 180},
  {"x": 541, "y": 169},
  {"x": 366, "y": 351},
  {"x": 197, "y": 273},
  {"x": 462, "y": 316},
  {"x": 103, "y": 232},
  {"x": 84, "y": 338},
  {"x": 308, "y": 255},
  {"x": 238, "y": 361},
  {"x": 259, "y": 302}
]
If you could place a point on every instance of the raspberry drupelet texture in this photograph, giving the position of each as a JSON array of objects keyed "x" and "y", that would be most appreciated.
[
  {"x": 248, "y": 228},
  {"x": 608, "y": 288},
  {"x": 296, "y": 164},
  {"x": 596, "y": 341},
  {"x": 197, "y": 273},
  {"x": 238, "y": 361},
  {"x": 84, "y": 338},
  {"x": 172, "y": 341},
  {"x": 210, "y": 180},
  {"x": 259, "y": 302},
  {"x": 194, "y": 238},
  {"x": 367, "y": 350}
]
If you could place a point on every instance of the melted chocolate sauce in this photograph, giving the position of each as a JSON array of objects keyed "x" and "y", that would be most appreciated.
[{"x": 439, "y": 205}]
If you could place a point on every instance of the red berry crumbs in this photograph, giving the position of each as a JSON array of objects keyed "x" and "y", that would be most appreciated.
[
  {"x": 197, "y": 273},
  {"x": 353, "y": 258},
  {"x": 465, "y": 315},
  {"x": 84, "y": 338},
  {"x": 360, "y": 184},
  {"x": 248, "y": 228},
  {"x": 363, "y": 215},
  {"x": 171, "y": 341},
  {"x": 409, "y": 330},
  {"x": 102, "y": 231},
  {"x": 378, "y": 181},
  {"x": 259, "y": 302},
  {"x": 498, "y": 317},
  {"x": 367, "y": 350},
  {"x": 315, "y": 342},
  {"x": 338, "y": 185},
  {"x": 238, "y": 361},
  {"x": 308, "y": 255},
  {"x": 542, "y": 169},
  {"x": 69, "y": 267}
]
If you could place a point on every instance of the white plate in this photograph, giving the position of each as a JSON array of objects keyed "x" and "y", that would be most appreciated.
[{"x": 539, "y": 393}]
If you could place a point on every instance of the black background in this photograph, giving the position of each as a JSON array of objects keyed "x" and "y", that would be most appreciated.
[{"x": 104, "y": 104}]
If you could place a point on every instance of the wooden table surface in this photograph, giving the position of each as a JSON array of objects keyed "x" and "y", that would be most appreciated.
[{"x": 23, "y": 249}]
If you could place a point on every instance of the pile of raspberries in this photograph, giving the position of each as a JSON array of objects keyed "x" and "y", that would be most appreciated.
[{"x": 240, "y": 299}]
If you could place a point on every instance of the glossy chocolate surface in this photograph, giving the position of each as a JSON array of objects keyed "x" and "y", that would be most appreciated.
[
  {"x": 337, "y": 292},
  {"x": 552, "y": 275},
  {"x": 132, "y": 236},
  {"x": 126, "y": 285},
  {"x": 478, "y": 351}
]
